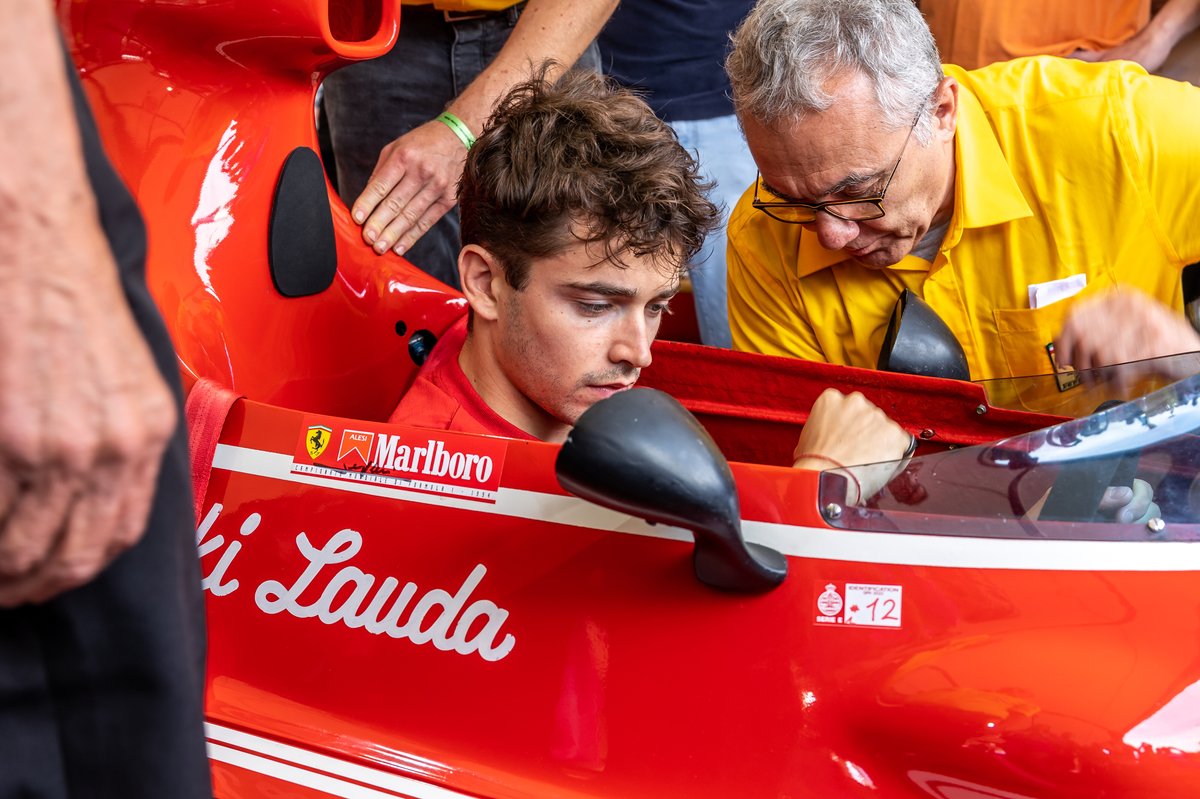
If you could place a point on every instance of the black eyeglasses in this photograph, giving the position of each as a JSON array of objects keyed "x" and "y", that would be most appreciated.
[{"x": 861, "y": 209}]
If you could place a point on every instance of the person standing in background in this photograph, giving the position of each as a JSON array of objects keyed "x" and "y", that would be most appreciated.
[
  {"x": 400, "y": 125},
  {"x": 674, "y": 52},
  {"x": 975, "y": 34},
  {"x": 101, "y": 615}
]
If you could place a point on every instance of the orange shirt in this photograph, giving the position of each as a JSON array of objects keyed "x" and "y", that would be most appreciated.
[
  {"x": 975, "y": 33},
  {"x": 463, "y": 5}
]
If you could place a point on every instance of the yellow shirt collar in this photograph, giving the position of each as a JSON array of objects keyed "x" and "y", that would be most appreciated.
[{"x": 985, "y": 191}]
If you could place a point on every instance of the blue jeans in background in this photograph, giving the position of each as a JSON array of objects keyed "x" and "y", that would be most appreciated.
[{"x": 718, "y": 144}]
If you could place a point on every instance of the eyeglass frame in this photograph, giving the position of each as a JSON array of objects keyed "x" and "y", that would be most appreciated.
[{"x": 826, "y": 206}]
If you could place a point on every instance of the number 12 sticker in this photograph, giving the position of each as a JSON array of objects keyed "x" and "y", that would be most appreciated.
[{"x": 859, "y": 604}]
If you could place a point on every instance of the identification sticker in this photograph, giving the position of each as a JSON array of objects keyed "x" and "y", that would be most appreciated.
[
  {"x": 1064, "y": 375},
  {"x": 859, "y": 604}
]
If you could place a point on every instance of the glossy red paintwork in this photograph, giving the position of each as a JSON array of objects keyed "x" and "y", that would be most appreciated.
[
  {"x": 630, "y": 679},
  {"x": 627, "y": 678},
  {"x": 199, "y": 103}
]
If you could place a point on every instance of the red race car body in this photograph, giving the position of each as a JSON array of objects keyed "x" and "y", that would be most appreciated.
[{"x": 397, "y": 612}]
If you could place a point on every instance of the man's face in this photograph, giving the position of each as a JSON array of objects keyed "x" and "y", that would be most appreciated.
[
  {"x": 846, "y": 153},
  {"x": 579, "y": 331}
]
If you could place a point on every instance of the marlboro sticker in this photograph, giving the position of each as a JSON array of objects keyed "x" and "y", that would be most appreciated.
[
  {"x": 404, "y": 458},
  {"x": 859, "y": 604}
]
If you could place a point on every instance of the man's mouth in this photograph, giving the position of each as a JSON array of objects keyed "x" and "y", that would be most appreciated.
[
  {"x": 605, "y": 390},
  {"x": 613, "y": 387},
  {"x": 858, "y": 252},
  {"x": 609, "y": 381}
]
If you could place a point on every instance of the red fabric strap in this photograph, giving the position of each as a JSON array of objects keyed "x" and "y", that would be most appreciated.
[
  {"x": 208, "y": 404},
  {"x": 815, "y": 456}
]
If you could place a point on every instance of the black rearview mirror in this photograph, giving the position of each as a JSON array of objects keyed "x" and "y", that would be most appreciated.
[{"x": 640, "y": 452}]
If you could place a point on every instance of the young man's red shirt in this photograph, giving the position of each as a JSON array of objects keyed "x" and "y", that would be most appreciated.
[{"x": 442, "y": 398}]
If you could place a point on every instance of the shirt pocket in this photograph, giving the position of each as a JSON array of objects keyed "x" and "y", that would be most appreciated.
[{"x": 1024, "y": 333}]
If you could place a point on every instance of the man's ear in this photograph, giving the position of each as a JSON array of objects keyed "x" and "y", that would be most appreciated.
[
  {"x": 482, "y": 276},
  {"x": 945, "y": 109}
]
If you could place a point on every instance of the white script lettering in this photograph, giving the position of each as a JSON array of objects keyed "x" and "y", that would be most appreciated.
[
  {"x": 214, "y": 582},
  {"x": 342, "y": 599}
]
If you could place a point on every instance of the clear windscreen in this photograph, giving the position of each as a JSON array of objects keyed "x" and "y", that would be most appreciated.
[
  {"x": 1077, "y": 393},
  {"x": 1056, "y": 483}
]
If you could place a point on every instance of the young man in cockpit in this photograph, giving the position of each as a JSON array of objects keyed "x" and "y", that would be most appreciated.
[{"x": 580, "y": 211}]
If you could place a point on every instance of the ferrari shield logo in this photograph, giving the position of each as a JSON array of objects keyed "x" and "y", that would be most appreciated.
[{"x": 317, "y": 439}]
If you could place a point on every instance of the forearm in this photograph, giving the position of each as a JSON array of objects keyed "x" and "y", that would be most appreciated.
[
  {"x": 53, "y": 254},
  {"x": 84, "y": 413},
  {"x": 44, "y": 194},
  {"x": 557, "y": 30},
  {"x": 1176, "y": 19}
]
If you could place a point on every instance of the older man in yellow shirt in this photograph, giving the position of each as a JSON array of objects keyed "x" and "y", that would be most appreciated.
[{"x": 1003, "y": 196}]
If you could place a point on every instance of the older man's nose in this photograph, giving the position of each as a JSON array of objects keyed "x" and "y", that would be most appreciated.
[{"x": 833, "y": 233}]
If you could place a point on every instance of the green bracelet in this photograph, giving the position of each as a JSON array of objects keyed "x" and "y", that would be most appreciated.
[{"x": 458, "y": 126}]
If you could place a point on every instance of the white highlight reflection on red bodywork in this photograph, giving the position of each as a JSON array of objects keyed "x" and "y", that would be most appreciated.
[
  {"x": 212, "y": 218},
  {"x": 1176, "y": 725},
  {"x": 945, "y": 787}
]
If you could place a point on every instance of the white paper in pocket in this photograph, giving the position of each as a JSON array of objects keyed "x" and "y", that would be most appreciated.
[{"x": 1043, "y": 294}]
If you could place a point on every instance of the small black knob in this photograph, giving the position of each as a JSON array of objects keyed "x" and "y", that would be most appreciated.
[{"x": 420, "y": 345}]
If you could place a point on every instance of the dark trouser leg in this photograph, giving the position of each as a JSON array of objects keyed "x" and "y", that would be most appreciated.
[
  {"x": 101, "y": 688},
  {"x": 374, "y": 102}
]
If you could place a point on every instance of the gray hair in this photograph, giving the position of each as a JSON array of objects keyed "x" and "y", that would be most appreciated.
[{"x": 785, "y": 51}]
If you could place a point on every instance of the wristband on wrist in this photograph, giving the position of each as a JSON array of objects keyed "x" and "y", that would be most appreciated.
[
  {"x": 839, "y": 467},
  {"x": 459, "y": 128},
  {"x": 815, "y": 456},
  {"x": 912, "y": 447}
]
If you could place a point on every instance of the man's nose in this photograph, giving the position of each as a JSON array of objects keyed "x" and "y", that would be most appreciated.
[
  {"x": 833, "y": 233},
  {"x": 632, "y": 344}
]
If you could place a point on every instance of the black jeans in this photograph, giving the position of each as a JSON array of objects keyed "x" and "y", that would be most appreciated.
[{"x": 372, "y": 103}]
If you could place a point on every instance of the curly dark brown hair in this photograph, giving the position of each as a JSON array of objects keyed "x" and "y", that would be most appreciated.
[{"x": 580, "y": 159}]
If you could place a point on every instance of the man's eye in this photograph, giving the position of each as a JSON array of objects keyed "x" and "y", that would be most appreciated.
[
  {"x": 593, "y": 308},
  {"x": 862, "y": 191},
  {"x": 659, "y": 308}
]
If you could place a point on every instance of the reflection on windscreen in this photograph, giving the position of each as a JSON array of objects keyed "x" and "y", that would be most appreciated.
[
  {"x": 1079, "y": 393},
  {"x": 1052, "y": 483}
]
